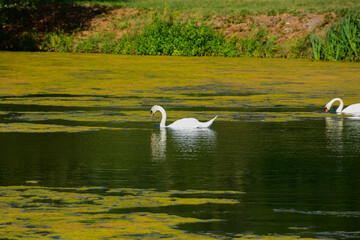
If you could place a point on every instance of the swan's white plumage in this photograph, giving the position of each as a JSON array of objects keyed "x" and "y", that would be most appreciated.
[
  {"x": 184, "y": 123},
  {"x": 353, "y": 109}
]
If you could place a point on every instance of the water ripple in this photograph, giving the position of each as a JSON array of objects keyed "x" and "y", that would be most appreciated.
[{"x": 322, "y": 213}]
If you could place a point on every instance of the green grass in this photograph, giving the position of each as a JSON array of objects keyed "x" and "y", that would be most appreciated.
[
  {"x": 58, "y": 42},
  {"x": 211, "y": 7}
]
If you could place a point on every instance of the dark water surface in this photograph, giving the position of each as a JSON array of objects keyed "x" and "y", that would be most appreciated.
[
  {"x": 297, "y": 177},
  {"x": 272, "y": 166}
]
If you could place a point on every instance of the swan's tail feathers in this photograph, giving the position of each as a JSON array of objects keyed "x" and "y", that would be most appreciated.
[{"x": 208, "y": 123}]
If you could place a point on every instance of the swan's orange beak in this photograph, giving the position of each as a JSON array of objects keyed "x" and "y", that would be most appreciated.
[
  {"x": 326, "y": 110},
  {"x": 152, "y": 114}
]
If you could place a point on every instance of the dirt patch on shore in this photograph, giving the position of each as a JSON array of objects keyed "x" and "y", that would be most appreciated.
[
  {"x": 284, "y": 26},
  {"x": 119, "y": 21}
]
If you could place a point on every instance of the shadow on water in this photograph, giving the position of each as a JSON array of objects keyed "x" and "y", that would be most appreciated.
[{"x": 300, "y": 176}]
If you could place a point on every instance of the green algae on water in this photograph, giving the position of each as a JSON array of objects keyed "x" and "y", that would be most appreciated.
[
  {"x": 88, "y": 213},
  {"x": 96, "y": 89}
]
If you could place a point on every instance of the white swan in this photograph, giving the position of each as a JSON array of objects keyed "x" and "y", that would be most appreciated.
[
  {"x": 182, "y": 123},
  {"x": 352, "y": 109}
]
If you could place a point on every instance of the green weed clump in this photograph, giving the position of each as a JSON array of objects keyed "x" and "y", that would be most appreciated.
[
  {"x": 190, "y": 38},
  {"x": 258, "y": 44},
  {"x": 58, "y": 42},
  {"x": 167, "y": 36},
  {"x": 99, "y": 43},
  {"x": 341, "y": 41},
  {"x": 62, "y": 42},
  {"x": 300, "y": 47}
]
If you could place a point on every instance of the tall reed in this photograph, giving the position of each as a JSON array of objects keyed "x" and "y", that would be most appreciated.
[
  {"x": 316, "y": 43},
  {"x": 341, "y": 41}
]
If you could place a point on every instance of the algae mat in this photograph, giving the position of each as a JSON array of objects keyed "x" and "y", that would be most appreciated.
[
  {"x": 100, "y": 213},
  {"x": 113, "y": 88}
]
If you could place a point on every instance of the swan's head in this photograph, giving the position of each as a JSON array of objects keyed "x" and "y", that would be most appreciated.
[
  {"x": 153, "y": 110},
  {"x": 327, "y": 107}
]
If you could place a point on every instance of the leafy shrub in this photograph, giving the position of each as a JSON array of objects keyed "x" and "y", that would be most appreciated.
[
  {"x": 58, "y": 42},
  {"x": 300, "y": 48},
  {"x": 166, "y": 36},
  {"x": 101, "y": 42},
  {"x": 258, "y": 44}
]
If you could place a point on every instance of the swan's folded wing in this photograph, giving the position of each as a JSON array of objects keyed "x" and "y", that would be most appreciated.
[
  {"x": 352, "y": 109},
  {"x": 185, "y": 123}
]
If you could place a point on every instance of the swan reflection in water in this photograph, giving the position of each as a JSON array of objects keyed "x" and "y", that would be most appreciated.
[
  {"x": 188, "y": 143},
  {"x": 343, "y": 132},
  {"x": 334, "y": 129},
  {"x": 158, "y": 145}
]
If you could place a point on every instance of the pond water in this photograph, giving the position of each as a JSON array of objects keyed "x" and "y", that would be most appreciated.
[{"x": 81, "y": 158}]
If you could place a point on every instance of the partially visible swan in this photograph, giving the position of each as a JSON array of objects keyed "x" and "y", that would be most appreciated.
[
  {"x": 182, "y": 123},
  {"x": 352, "y": 109}
]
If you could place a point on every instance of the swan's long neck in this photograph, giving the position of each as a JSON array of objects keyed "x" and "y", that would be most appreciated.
[
  {"x": 340, "y": 108},
  {"x": 163, "y": 119}
]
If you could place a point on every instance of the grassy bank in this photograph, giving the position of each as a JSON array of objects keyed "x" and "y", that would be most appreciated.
[
  {"x": 165, "y": 35},
  {"x": 269, "y": 28},
  {"x": 231, "y": 7}
]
